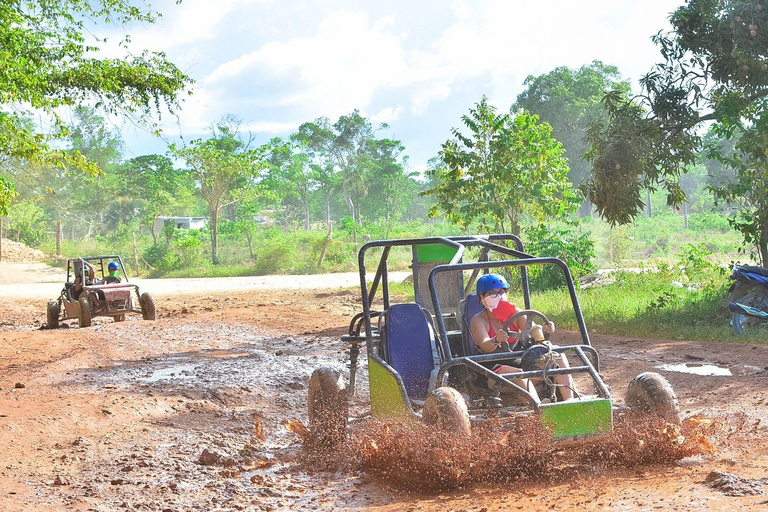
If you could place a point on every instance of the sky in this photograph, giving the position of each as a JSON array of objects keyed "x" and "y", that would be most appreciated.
[{"x": 416, "y": 65}]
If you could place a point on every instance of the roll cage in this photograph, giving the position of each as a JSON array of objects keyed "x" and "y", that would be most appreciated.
[{"x": 442, "y": 305}]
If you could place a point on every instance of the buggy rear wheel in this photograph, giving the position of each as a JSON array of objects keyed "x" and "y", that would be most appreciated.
[
  {"x": 53, "y": 314},
  {"x": 651, "y": 393},
  {"x": 328, "y": 408},
  {"x": 148, "y": 306},
  {"x": 85, "y": 312},
  {"x": 447, "y": 409}
]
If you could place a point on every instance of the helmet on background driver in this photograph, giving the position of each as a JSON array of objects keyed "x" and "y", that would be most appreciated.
[{"x": 113, "y": 266}]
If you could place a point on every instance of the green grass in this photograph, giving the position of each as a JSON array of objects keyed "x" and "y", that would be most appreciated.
[{"x": 648, "y": 306}]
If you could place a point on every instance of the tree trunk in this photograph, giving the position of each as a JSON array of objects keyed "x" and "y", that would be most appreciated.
[
  {"x": 215, "y": 235},
  {"x": 249, "y": 239},
  {"x": 610, "y": 245},
  {"x": 348, "y": 200},
  {"x": 328, "y": 240},
  {"x": 327, "y": 208},
  {"x": 763, "y": 244},
  {"x": 649, "y": 206},
  {"x": 58, "y": 238}
]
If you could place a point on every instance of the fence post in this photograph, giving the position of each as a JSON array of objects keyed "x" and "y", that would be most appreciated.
[{"x": 135, "y": 254}]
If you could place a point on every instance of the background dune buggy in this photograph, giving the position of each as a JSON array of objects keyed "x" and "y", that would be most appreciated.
[
  {"x": 422, "y": 363},
  {"x": 113, "y": 297}
]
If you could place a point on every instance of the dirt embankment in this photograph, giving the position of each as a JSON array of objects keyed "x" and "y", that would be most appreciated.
[
  {"x": 17, "y": 252},
  {"x": 189, "y": 413}
]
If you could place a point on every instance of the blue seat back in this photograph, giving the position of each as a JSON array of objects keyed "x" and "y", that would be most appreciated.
[
  {"x": 471, "y": 307},
  {"x": 408, "y": 343}
]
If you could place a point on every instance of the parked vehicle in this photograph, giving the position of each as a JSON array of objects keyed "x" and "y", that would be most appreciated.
[
  {"x": 110, "y": 294},
  {"x": 422, "y": 362},
  {"x": 748, "y": 297}
]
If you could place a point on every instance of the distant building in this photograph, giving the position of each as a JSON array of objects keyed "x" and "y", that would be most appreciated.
[{"x": 180, "y": 223}]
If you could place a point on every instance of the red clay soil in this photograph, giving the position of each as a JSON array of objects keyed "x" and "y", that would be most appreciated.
[{"x": 190, "y": 412}]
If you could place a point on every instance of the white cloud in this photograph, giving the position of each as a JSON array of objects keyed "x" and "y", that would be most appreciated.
[
  {"x": 335, "y": 71},
  {"x": 277, "y": 65},
  {"x": 387, "y": 115}
]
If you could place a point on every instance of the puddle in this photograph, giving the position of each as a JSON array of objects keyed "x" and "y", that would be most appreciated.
[
  {"x": 185, "y": 371},
  {"x": 711, "y": 370}
]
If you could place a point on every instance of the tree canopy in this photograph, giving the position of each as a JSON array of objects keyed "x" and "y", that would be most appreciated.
[
  {"x": 714, "y": 69},
  {"x": 506, "y": 166},
  {"x": 569, "y": 100},
  {"x": 50, "y": 59}
]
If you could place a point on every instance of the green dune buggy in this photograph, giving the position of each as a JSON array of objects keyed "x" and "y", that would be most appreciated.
[{"x": 423, "y": 364}]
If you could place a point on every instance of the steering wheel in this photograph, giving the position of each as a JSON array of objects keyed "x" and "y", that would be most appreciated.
[
  {"x": 111, "y": 280},
  {"x": 525, "y": 337}
]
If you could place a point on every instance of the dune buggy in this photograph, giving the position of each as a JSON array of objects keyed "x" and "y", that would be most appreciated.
[
  {"x": 423, "y": 363},
  {"x": 109, "y": 295}
]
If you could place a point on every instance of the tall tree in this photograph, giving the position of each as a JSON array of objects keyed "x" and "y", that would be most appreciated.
[
  {"x": 391, "y": 187},
  {"x": 50, "y": 60},
  {"x": 714, "y": 69},
  {"x": 225, "y": 168},
  {"x": 503, "y": 168},
  {"x": 569, "y": 100},
  {"x": 343, "y": 145}
]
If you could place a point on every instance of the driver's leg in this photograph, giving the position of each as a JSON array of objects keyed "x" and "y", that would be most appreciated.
[
  {"x": 526, "y": 384},
  {"x": 565, "y": 382}
]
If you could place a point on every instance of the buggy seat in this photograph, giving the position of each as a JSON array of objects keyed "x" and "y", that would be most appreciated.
[{"x": 408, "y": 345}]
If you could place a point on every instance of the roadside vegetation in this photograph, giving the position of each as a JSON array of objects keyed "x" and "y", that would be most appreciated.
[{"x": 579, "y": 166}]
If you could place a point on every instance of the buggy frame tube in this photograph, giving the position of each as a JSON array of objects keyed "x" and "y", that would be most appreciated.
[{"x": 526, "y": 259}]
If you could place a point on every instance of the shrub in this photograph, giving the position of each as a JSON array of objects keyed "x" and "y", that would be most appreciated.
[
  {"x": 577, "y": 250},
  {"x": 708, "y": 221}
]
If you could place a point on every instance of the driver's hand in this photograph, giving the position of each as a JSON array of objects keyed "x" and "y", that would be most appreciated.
[
  {"x": 549, "y": 328},
  {"x": 501, "y": 336}
]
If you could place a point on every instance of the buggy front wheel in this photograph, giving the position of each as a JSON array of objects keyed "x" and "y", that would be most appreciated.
[
  {"x": 651, "y": 393},
  {"x": 328, "y": 406},
  {"x": 447, "y": 409}
]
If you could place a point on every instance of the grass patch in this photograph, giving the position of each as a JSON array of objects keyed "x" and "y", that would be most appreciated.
[{"x": 649, "y": 305}]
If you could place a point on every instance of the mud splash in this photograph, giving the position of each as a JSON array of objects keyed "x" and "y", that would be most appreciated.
[{"x": 417, "y": 457}]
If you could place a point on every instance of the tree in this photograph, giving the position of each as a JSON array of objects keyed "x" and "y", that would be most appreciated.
[
  {"x": 49, "y": 61},
  {"x": 290, "y": 178},
  {"x": 569, "y": 100},
  {"x": 714, "y": 70},
  {"x": 391, "y": 186},
  {"x": 344, "y": 146},
  {"x": 156, "y": 187},
  {"x": 224, "y": 168},
  {"x": 506, "y": 167}
]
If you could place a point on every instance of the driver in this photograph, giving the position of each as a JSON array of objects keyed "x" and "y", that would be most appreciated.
[
  {"x": 114, "y": 274},
  {"x": 489, "y": 336}
]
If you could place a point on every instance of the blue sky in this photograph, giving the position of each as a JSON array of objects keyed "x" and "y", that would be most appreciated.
[{"x": 416, "y": 65}]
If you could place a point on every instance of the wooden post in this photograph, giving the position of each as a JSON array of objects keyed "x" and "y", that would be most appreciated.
[
  {"x": 328, "y": 240},
  {"x": 58, "y": 238},
  {"x": 135, "y": 254}
]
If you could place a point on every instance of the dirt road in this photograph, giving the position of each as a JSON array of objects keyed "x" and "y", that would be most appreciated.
[{"x": 189, "y": 413}]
